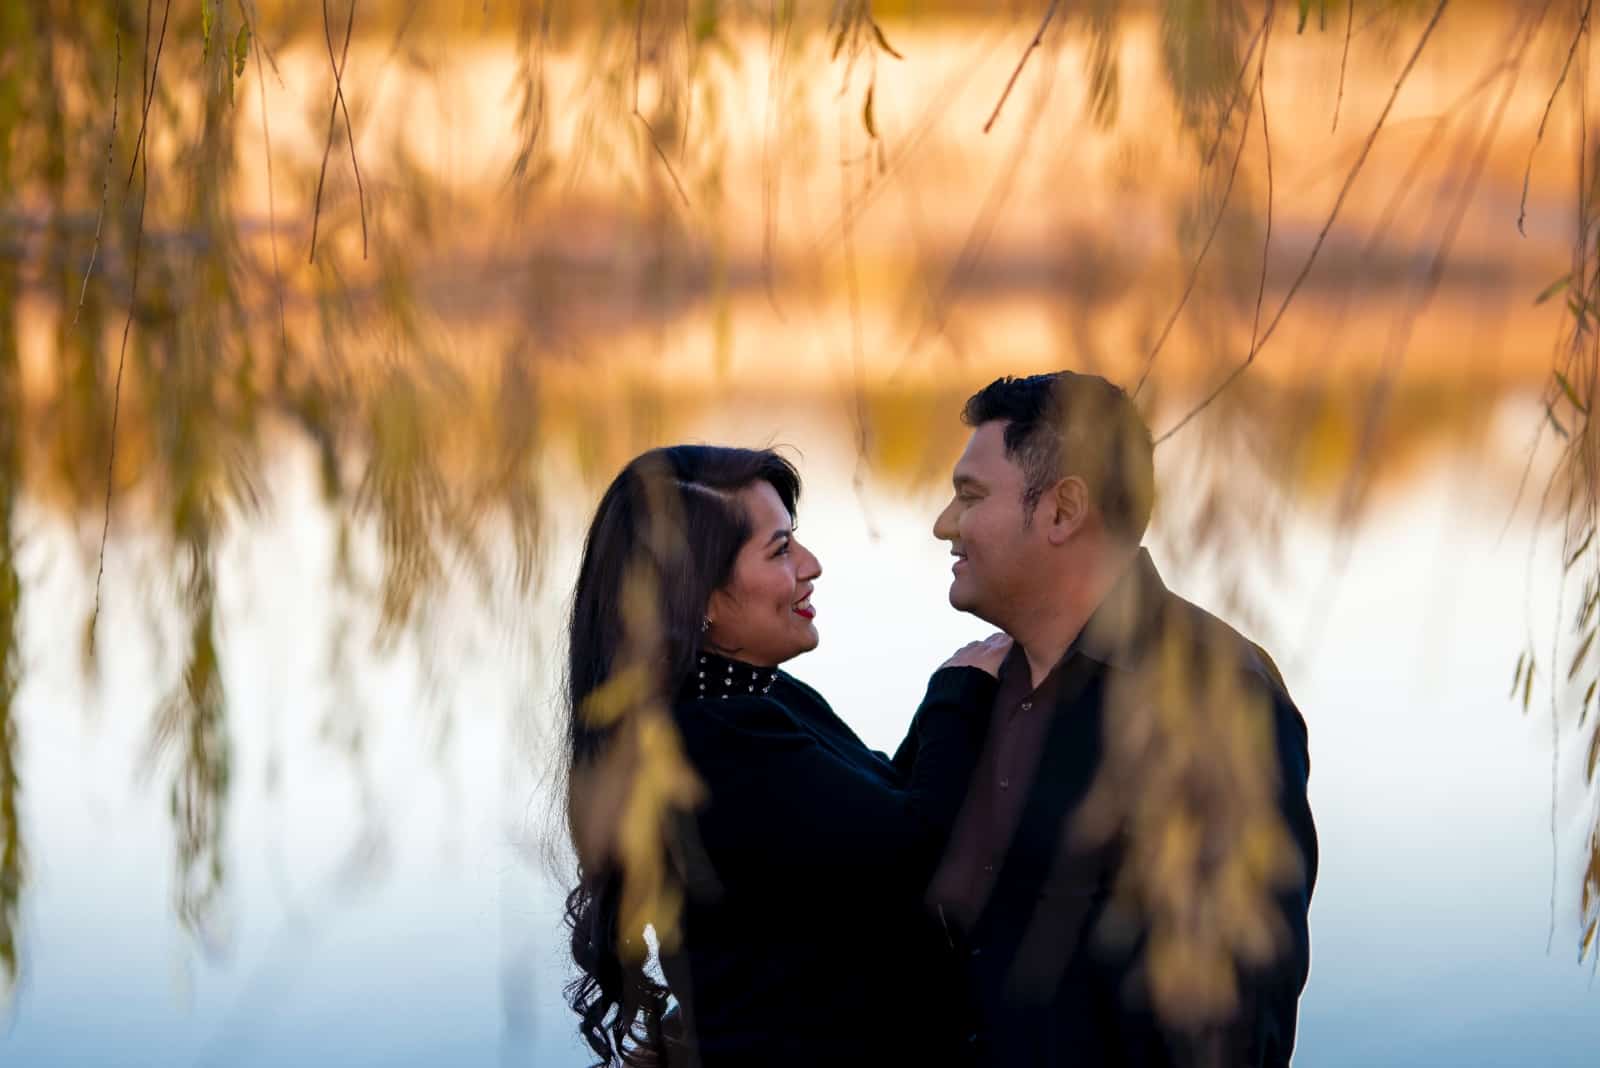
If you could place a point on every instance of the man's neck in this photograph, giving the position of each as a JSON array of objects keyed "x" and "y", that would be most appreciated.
[{"x": 1047, "y": 632}]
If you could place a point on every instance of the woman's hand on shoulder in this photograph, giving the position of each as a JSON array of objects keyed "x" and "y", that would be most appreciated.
[{"x": 986, "y": 655}]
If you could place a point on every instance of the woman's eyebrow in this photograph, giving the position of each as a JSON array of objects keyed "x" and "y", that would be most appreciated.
[{"x": 781, "y": 532}]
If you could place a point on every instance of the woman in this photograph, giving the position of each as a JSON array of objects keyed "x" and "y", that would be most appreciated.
[{"x": 800, "y": 857}]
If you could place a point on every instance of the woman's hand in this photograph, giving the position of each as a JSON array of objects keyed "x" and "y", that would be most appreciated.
[{"x": 986, "y": 655}]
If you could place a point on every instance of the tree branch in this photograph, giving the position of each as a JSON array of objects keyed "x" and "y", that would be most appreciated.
[
  {"x": 105, "y": 185},
  {"x": 1316, "y": 248},
  {"x": 338, "y": 104},
  {"x": 1049, "y": 14}
]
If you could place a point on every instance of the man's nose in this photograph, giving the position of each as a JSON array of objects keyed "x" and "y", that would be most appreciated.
[{"x": 943, "y": 527}]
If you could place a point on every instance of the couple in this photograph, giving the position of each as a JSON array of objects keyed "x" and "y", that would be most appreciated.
[{"x": 1093, "y": 846}]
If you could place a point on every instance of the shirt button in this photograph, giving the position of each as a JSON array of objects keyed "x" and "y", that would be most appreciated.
[
  {"x": 1005, "y": 784},
  {"x": 988, "y": 869},
  {"x": 1027, "y": 706}
]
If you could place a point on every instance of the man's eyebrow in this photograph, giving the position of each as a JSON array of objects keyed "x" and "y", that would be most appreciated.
[{"x": 960, "y": 479}]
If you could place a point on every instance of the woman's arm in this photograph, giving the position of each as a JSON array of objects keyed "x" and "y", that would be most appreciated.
[{"x": 786, "y": 810}]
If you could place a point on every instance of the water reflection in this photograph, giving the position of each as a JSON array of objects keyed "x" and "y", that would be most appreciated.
[
  {"x": 386, "y": 817},
  {"x": 343, "y": 494}
]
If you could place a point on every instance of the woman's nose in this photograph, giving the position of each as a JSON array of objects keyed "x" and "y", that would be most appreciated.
[{"x": 811, "y": 567}]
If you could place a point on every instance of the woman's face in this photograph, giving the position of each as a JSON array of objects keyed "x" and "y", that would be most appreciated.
[{"x": 764, "y": 615}]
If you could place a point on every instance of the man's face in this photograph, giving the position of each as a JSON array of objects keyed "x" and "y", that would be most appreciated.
[{"x": 997, "y": 551}]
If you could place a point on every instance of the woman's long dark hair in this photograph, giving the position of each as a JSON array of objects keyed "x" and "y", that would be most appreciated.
[{"x": 665, "y": 536}]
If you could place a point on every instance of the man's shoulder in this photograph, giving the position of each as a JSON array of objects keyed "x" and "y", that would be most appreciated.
[{"x": 1214, "y": 639}]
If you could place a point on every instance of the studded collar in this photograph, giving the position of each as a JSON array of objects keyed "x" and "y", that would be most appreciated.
[{"x": 721, "y": 677}]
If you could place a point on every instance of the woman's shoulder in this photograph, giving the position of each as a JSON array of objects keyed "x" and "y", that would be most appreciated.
[
  {"x": 735, "y": 718},
  {"x": 799, "y": 692}
]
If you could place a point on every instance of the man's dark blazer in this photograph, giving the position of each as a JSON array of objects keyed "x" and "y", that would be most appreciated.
[{"x": 1057, "y": 954}]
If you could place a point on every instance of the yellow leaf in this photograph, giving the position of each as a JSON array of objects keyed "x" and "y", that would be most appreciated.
[{"x": 883, "y": 42}]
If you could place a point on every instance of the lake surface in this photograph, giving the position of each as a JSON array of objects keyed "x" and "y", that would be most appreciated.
[
  {"x": 359, "y": 859},
  {"x": 395, "y": 900}
]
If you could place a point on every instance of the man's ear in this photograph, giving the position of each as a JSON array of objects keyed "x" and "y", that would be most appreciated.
[{"x": 1068, "y": 503}]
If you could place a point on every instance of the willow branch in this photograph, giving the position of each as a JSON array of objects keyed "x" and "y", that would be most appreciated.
[
  {"x": 1566, "y": 67},
  {"x": 105, "y": 185},
  {"x": 1316, "y": 248},
  {"x": 334, "y": 109},
  {"x": 1049, "y": 14}
]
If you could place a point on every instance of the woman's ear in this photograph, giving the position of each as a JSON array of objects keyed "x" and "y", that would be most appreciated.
[
  {"x": 1070, "y": 509},
  {"x": 718, "y": 608}
]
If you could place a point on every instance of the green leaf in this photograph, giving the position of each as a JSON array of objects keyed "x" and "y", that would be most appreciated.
[
  {"x": 1579, "y": 308},
  {"x": 1577, "y": 657},
  {"x": 1588, "y": 699},
  {"x": 838, "y": 42},
  {"x": 1550, "y": 414},
  {"x": 205, "y": 25},
  {"x": 1516, "y": 680},
  {"x": 1553, "y": 288},
  {"x": 883, "y": 42},
  {"x": 1594, "y": 753},
  {"x": 705, "y": 21},
  {"x": 866, "y": 115},
  {"x": 1572, "y": 394},
  {"x": 1527, "y": 688},
  {"x": 241, "y": 50},
  {"x": 1305, "y": 10},
  {"x": 1588, "y": 539}
]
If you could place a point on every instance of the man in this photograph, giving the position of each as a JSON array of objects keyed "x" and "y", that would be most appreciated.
[{"x": 1132, "y": 871}]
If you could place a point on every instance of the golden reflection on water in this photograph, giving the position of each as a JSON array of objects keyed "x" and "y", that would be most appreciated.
[{"x": 506, "y": 325}]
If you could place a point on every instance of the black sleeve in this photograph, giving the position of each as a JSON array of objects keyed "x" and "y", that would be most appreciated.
[
  {"x": 1264, "y": 1030},
  {"x": 905, "y": 755},
  {"x": 785, "y": 809}
]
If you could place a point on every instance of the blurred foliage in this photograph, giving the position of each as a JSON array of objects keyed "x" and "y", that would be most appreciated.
[{"x": 181, "y": 327}]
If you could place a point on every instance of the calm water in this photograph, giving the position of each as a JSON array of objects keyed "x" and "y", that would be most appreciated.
[
  {"x": 390, "y": 902},
  {"x": 393, "y": 862}
]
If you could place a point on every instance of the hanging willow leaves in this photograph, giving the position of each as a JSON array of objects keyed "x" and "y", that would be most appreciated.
[
  {"x": 883, "y": 42},
  {"x": 1553, "y": 288},
  {"x": 241, "y": 50},
  {"x": 1572, "y": 394},
  {"x": 1555, "y": 423},
  {"x": 1527, "y": 687},
  {"x": 1516, "y": 678},
  {"x": 1580, "y": 310},
  {"x": 1588, "y": 699},
  {"x": 1572, "y": 558},
  {"x": 1578, "y": 657}
]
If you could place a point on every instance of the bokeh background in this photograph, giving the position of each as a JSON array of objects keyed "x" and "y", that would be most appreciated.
[{"x": 322, "y": 326}]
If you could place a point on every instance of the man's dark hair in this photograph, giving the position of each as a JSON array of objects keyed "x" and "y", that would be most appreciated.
[{"x": 1067, "y": 423}]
